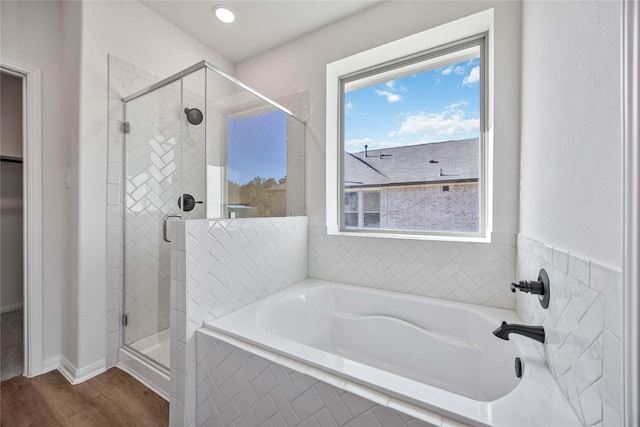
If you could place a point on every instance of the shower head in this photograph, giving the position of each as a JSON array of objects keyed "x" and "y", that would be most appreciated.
[{"x": 194, "y": 116}]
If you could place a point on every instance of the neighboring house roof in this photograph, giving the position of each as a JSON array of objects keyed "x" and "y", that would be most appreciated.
[{"x": 457, "y": 161}]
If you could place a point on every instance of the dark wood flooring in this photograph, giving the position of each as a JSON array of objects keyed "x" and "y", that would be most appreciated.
[{"x": 111, "y": 399}]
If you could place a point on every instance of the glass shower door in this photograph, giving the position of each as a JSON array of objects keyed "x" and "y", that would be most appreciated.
[{"x": 152, "y": 188}]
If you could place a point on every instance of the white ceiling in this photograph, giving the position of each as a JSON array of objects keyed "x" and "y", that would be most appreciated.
[{"x": 259, "y": 25}]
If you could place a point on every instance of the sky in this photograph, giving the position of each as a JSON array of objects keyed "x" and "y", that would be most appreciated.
[
  {"x": 436, "y": 105},
  {"x": 258, "y": 147}
]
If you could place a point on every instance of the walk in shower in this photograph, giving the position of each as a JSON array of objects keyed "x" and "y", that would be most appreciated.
[{"x": 199, "y": 144}]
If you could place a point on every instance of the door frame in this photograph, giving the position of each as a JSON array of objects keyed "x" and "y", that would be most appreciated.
[
  {"x": 631, "y": 212},
  {"x": 32, "y": 214}
]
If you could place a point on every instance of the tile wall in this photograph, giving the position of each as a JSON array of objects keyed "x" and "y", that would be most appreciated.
[
  {"x": 158, "y": 169},
  {"x": 124, "y": 79},
  {"x": 583, "y": 324},
  {"x": 478, "y": 273},
  {"x": 219, "y": 266},
  {"x": 237, "y": 387}
]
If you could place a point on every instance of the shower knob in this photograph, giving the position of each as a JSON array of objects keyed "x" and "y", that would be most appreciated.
[{"x": 187, "y": 202}]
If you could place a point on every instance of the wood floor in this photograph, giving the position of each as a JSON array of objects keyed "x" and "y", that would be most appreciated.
[{"x": 111, "y": 399}]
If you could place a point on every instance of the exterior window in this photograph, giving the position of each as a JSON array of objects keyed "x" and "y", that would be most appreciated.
[
  {"x": 371, "y": 209},
  {"x": 412, "y": 142},
  {"x": 362, "y": 209},
  {"x": 351, "y": 209}
]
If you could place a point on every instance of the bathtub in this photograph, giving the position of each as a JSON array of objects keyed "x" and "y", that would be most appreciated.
[{"x": 434, "y": 354}]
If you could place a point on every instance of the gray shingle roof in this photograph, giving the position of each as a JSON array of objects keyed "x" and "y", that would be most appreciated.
[{"x": 458, "y": 161}]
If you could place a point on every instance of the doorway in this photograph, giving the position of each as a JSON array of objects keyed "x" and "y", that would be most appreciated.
[{"x": 11, "y": 228}]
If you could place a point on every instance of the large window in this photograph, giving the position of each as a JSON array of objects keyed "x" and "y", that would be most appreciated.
[{"x": 412, "y": 143}]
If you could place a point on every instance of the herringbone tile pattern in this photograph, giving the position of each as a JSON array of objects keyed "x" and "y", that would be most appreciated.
[
  {"x": 232, "y": 263},
  {"x": 237, "y": 388},
  {"x": 124, "y": 78},
  {"x": 583, "y": 327},
  {"x": 478, "y": 273},
  {"x": 152, "y": 188},
  {"x": 227, "y": 265}
]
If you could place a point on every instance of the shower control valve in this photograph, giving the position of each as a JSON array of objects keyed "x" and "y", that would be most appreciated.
[
  {"x": 528, "y": 286},
  {"x": 538, "y": 287},
  {"x": 187, "y": 202}
]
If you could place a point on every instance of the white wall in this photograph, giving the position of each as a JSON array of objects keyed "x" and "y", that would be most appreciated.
[
  {"x": 301, "y": 65},
  {"x": 130, "y": 31},
  {"x": 571, "y": 183},
  {"x": 571, "y": 197},
  {"x": 32, "y": 36}
]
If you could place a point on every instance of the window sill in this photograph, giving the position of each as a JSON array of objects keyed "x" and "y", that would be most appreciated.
[{"x": 401, "y": 236}]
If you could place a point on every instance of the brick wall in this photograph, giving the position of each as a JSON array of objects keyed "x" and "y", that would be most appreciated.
[{"x": 431, "y": 208}]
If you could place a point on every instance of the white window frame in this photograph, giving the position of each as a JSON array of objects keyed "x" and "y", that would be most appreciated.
[{"x": 453, "y": 32}]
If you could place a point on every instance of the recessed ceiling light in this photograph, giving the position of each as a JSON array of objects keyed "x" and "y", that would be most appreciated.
[{"x": 224, "y": 14}]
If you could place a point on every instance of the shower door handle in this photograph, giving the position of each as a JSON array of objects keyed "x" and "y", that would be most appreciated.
[{"x": 164, "y": 225}]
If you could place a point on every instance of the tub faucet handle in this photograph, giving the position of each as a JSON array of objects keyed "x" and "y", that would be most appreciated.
[
  {"x": 540, "y": 287},
  {"x": 530, "y": 286}
]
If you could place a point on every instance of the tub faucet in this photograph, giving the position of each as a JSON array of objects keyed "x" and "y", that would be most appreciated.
[{"x": 533, "y": 332}]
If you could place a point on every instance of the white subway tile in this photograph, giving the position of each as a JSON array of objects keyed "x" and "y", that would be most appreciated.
[
  {"x": 114, "y": 173},
  {"x": 579, "y": 268},
  {"x": 614, "y": 308},
  {"x": 591, "y": 402},
  {"x": 546, "y": 253},
  {"x": 560, "y": 260},
  {"x": 603, "y": 278},
  {"x": 611, "y": 414},
  {"x": 612, "y": 369}
]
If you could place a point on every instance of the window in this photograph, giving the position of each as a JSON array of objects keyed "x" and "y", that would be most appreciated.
[
  {"x": 257, "y": 164},
  {"x": 362, "y": 209},
  {"x": 412, "y": 143}
]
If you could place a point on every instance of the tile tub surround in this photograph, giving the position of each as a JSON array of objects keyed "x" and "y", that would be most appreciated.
[
  {"x": 243, "y": 385},
  {"x": 218, "y": 266},
  {"x": 583, "y": 325},
  {"x": 477, "y": 273}
]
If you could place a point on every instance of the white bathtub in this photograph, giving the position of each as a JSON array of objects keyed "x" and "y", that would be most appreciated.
[{"x": 435, "y": 354}]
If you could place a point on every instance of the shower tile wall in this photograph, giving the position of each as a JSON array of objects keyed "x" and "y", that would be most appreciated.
[
  {"x": 124, "y": 78},
  {"x": 219, "y": 266},
  {"x": 583, "y": 325},
  {"x": 152, "y": 174},
  {"x": 153, "y": 184},
  {"x": 478, "y": 273},
  {"x": 237, "y": 387}
]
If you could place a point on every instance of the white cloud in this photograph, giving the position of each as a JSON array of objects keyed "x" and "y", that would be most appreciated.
[
  {"x": 391, "y": 97},
  {"x": 473, "y": 77},
  {"x": 447, "y": 70},
  {"x": 434, "y": 127},
  {"x": 460, "y": 70},
  {"x": 456, "y": 105},
  {"x": 348, "y": 106},
  {"x": 390, "y": 84}
]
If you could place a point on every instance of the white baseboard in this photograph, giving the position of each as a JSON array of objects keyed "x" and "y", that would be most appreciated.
[
  {"x": 11, "y": 307},
  {"x": 75, "y": 375}
]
